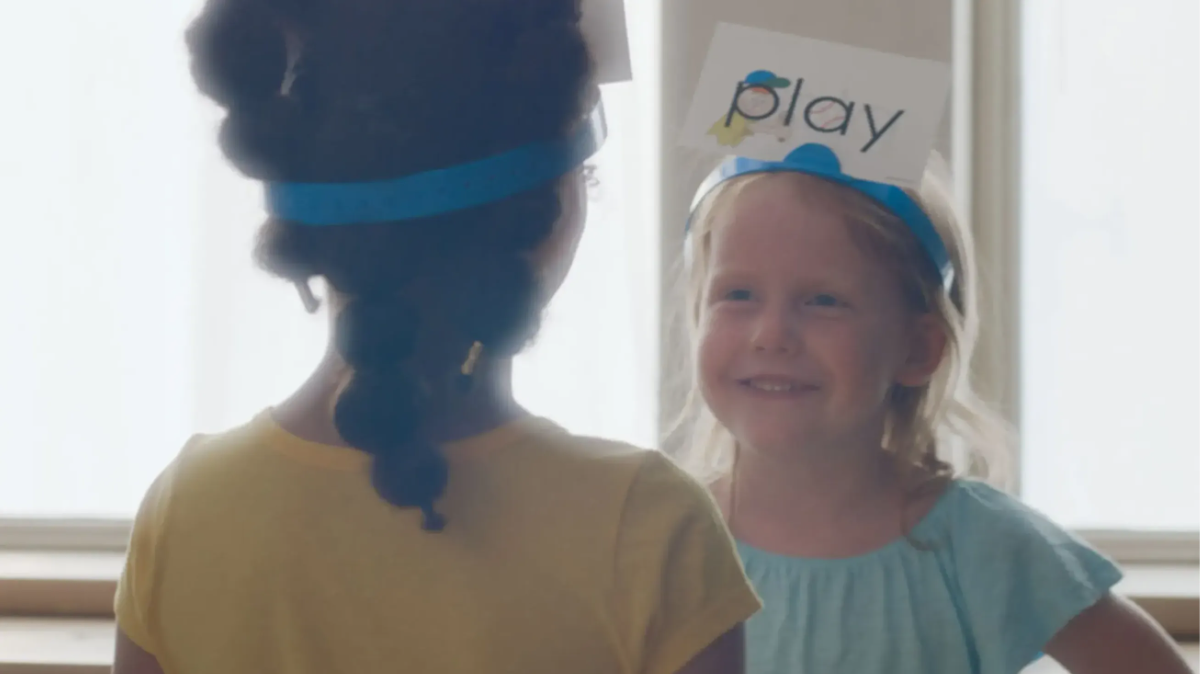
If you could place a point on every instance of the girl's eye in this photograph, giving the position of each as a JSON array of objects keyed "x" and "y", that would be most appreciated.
[
  {"x": 825, "y": 300},
  {"x": 738, "y": 295}
]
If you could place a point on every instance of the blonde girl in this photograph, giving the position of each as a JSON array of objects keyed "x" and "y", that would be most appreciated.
[{"x": 833, "y": 321}]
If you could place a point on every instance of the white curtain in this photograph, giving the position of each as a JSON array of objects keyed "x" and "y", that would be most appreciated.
[{"x": 133, "y": 315}]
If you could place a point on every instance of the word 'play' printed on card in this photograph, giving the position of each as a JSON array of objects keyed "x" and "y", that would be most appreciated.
[{"x": 762, "y": 94}]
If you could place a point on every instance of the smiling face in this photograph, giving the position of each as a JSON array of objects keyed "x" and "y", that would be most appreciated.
[{"x": 803, "y": 334}]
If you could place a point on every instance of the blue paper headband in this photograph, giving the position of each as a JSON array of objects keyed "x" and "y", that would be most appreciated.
[
  {"x": 818, "y": 160},
  {"x": 441, "y": 190}
]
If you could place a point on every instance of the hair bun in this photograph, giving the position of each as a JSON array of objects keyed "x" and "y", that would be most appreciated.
[
  {"x": 415, "y": 478},
  {"x": 378, "y": 411},
  {"x": 551, "y": 55},
  {"x": 239, "y": 53},
  {"x": 262, "y": 142}
]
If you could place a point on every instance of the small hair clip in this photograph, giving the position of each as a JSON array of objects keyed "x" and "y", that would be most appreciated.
[
  {"x": 311, "y": 303},
  {"x": 468, "y": 366},
  {"x": 292, "y": 41}
]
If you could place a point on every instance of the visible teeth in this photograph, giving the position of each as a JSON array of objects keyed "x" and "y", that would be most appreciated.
[{"x": 775, "y": 387}]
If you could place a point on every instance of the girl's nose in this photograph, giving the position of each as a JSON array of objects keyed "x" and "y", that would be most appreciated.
[{"x": 774, "y": 331}]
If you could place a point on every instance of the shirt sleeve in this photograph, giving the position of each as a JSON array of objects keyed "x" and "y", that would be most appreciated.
[
  {"x": 1022, "y": 577},
  {"x": 134, "y": 601},
  {"x": 679, "y": 582}
]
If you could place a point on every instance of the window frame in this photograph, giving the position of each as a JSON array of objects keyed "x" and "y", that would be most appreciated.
[
  {"x": 75, "y": 535},
  {"x": 987, "y": 161}
]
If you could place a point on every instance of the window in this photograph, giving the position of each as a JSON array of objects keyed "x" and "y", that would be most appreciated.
[
  {"x": 134, "y": 315},
  {"x": 1109, "y": 240}
]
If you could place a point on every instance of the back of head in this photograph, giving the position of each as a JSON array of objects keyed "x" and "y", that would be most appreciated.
[
  {"x": 340, "y": 91},
  {"x": 933, "y": 427}
]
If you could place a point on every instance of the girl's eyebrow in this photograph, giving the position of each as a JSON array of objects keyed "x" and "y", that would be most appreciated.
[{"x": 728, "y": 274}]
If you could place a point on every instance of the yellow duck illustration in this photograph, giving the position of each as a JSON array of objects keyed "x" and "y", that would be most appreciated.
[{"x": 733, "y": 134}]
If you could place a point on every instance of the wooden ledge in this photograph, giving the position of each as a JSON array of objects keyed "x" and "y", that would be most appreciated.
[{"x": 56, "y": 646}]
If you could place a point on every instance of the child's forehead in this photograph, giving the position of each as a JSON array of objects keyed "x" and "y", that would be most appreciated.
[{"x": 783, "y": 214}]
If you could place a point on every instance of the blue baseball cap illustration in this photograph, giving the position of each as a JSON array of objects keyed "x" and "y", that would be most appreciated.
[{"x": 766, "y": 78}]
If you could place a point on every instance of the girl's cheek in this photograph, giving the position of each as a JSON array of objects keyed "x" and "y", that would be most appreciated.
[
  {"x": 711, "y": 320},
  {"x": 720, "y": 324},
  {"x": 706, "y": 328}
]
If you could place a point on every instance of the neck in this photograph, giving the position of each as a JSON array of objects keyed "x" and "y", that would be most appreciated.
[
  {"x": 488, "y": 404},
  {"x": 827, "y": 484},
  {"x": 824, "y": 488},
  {"x": 823, "y": 506}
]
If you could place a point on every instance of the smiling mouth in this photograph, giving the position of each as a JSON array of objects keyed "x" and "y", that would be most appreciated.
[{"x": 776, "y": 385}]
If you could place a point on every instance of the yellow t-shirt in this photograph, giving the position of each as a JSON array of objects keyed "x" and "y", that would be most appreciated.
[{"x": 257, "y": 551}]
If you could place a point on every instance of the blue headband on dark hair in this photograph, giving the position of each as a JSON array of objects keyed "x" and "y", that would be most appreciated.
[
  {"x": 818, "y": 160},
  {"x": 441, "y": 190}
]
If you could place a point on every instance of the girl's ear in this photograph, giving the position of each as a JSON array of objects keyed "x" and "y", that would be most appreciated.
[{"x": 926, "y": 348}]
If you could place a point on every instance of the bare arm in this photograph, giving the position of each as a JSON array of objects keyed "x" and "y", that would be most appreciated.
[
  {"x": 131, "y": 659},
  {"x": 1115, "y": 637},
  {"x": 726, "y": 655}
]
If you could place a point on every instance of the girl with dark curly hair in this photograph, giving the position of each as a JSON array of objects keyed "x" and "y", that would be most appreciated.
[{"x": 400, "y": 511}]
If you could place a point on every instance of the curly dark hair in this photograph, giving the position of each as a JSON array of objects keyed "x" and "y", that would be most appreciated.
[{"x": 383, "y": 89}]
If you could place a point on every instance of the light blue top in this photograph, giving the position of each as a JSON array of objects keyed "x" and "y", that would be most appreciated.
[{"x": 998, "y": 580}]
